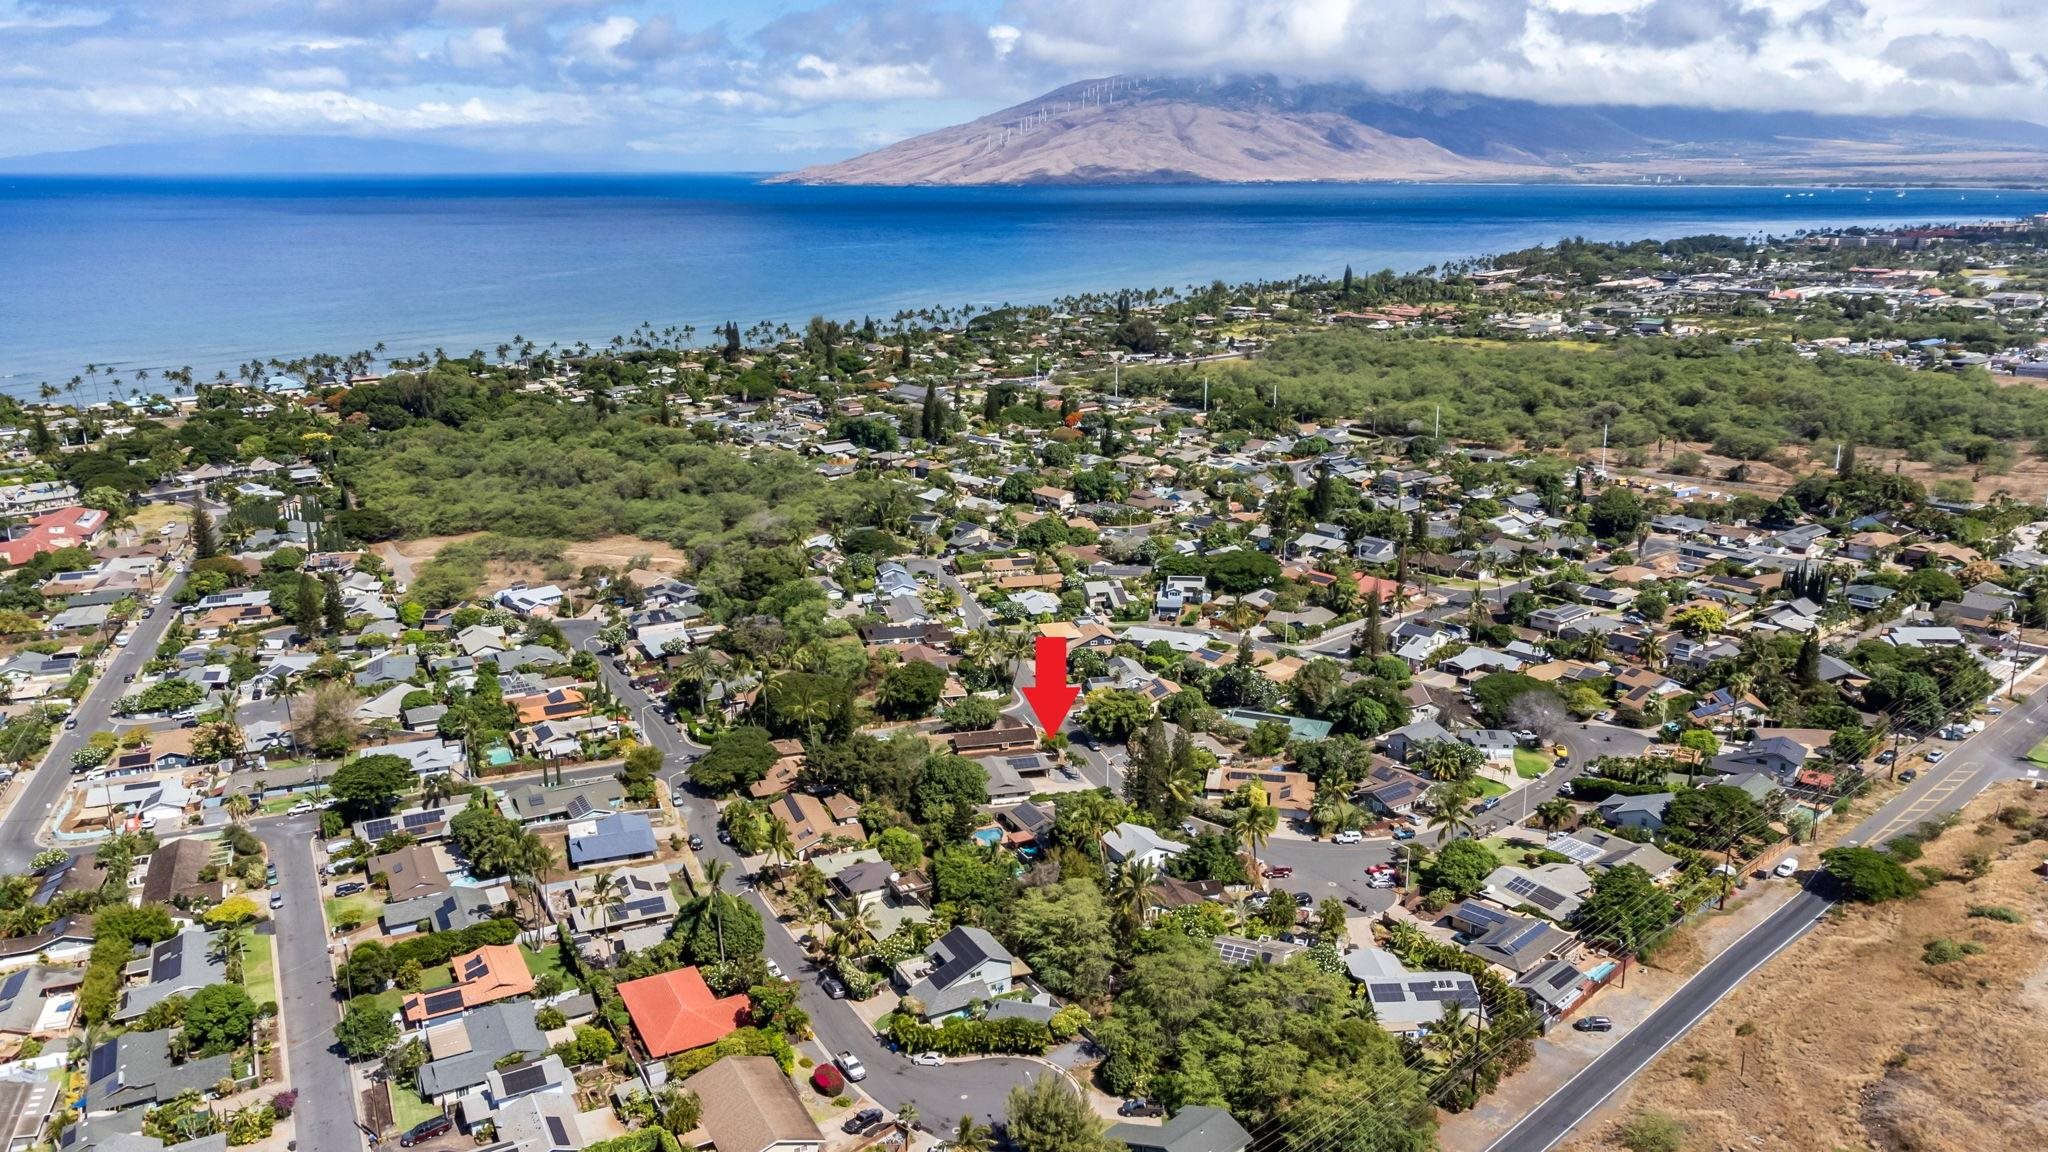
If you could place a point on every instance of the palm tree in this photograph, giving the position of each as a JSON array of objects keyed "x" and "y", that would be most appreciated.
[
  {"x": 1239, "y": 617},
  {"x": 435, "y": 789},
  {"x": 854, "y": 934},
  {"x": 696, "y": 668},
  {"x": 906, "y": 1119},
  {"x": 714, "y": 899},
  {"x": 228, "y": 948},
  {"x": 1651, "y": 652},
  {"x": 1254, "y": 826},
  {"x": 1132, "y": 893},
  {"x": 781, "y": 849},
  {"x": 239, "y": 805},
  {"x": 1449, "y": 817},
  {"x": 969, "y": 1136},
  {"x": 1554, "y": 813},
  {"x": 530, "y": 862},
  {"x": 608, "y": 891}
]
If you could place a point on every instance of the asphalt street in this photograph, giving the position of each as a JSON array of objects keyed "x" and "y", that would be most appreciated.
[
  {"x": 37, "y": 795},
  {"x": 1992, "y": 755},
  {"x": 326, "y": 1114},
  {"x": 941, "y": 1095}
]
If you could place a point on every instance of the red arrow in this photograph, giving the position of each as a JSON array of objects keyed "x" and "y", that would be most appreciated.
[{"x": 1050, "y": 696}]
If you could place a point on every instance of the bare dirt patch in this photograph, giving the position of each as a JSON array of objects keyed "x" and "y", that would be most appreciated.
[{"x": 1851, "y": 1039}]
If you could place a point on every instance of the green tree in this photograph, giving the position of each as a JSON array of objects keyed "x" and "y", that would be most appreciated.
[
  {"x": 365, "y": 1031},
  {"x": 1867, "y": 875},
  {"x": 1047, "y": 1115},
  {"x": 973, "y": 714},
  {"x": 1625, "y": 909},
  {"x": 1063, "y": 932},
  {"x": 737, "y": 760},
  {"x": 1461, "y": 867},
  {"x": 371, "y": 785},
  {"x": 1114, "y": 714},
  {"x": 910, "y": 690},
  {"x": 218, "y": 1018}
]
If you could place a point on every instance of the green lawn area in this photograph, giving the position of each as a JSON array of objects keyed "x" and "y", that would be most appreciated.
[
  {"x": 548, "y": 959},
  {"x": 259, "y": 970},
  {"x": 362, "y": 907},
  {"x": 1529, "y": 763},
  {"x": 1489, "y": 787},
  {"x": 2039, "y": 754},
  {"x": 407, "y": 1109},
  {"x": 439, "y": 976},
  {"x": 389, "y": 1000}
]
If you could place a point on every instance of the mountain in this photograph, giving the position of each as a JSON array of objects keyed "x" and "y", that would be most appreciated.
[
  {"x": 264, "y": 156},
  {"x": 1127, "y": 130}
]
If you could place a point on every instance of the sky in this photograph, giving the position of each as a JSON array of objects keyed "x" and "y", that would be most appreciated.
[{"x": 731, "y": 85}]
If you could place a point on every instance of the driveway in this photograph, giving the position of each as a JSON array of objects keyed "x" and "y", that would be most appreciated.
[
  {"x": 326, "y": 1116},
  {"x": 36, "y": 797}
]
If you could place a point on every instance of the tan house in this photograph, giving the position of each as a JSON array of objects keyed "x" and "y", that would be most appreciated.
[{"x": 749, "y": 1105}]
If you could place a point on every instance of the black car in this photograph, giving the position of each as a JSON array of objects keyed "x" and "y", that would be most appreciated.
[
  {"x": 1593, "y": 1024},
  {"x": 724, "y": 837},
  {"x": 348, "y": 889},
  {"x": 862, "y": 1120},
  {"x": 1303, "y": 900},
  {"x": 1135, "y": 1107},
  {"x": 696, "y": 842},
  {"x": 426, "y": 1130},
  {"x": 1909, "y": 775}
]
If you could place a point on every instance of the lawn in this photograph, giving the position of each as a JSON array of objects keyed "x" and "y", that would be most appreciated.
[
  {"x": 548, "y": 959},
  {"x": 2039, "y": 753},
  {"x": 407, "y": 1109},
  {"x": 439, "y": 976},
  {"x": 390, "y": 1000},
  {"x": 1488, "y": 786},
  {"x": 363, "y": 908},
  {"x": 259, "y": 970},
  {"x": 1529, "y": 763}
]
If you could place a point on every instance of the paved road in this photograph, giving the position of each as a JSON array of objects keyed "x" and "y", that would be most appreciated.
[
  {"x": 971, "y": 611},
  {"x": 942, "y": 1095},
  {"x": 38, "y": 794},
  {"x": 1992, "y": 755},
  {"x": 326, "y": 1115}
]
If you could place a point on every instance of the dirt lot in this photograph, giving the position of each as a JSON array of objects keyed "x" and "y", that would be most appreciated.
[
  {"x": 1851, "y": 1039},
  {"x": 2027, "y": 480},
  {"x": 614, "y": 551}
]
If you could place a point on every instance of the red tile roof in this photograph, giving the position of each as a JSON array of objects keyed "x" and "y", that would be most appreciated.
[
  {"x": 63, "y": 528},
  {"x": 676, "y": 1011}
]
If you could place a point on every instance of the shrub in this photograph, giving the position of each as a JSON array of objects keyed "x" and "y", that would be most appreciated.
[
  {"x": 826, "y": 1078},
  {"x": 1998, "y": 912},
  {"x": 1653, "y": 1132},
  {"x": 1942, "y": 950}
]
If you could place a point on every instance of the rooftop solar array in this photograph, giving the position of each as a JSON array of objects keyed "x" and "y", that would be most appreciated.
[
  {"x": 101, "y": 1065},
  {"x": 1527, "y": 936},
  {"x": 579, "y": 807},
  {"x": 438, "y": 1002},
  {"x": 379, "y": 828},
  {"x": 558, "y": 1132},
  {"x": 422, "y": 819},
  {"x": 12, "y": 986},
  {"x": 475, "y": 968},
  {"x": 524, "y": 1078},
  {"x": 1565, "y": 977},
  {"x": 168, "y": 962},
  {"x": 1545, "y": 898}
]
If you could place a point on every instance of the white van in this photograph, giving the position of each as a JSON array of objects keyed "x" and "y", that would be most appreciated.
[{"x": 1786, "y": 867}]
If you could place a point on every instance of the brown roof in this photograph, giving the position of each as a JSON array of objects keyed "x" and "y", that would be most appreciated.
[
  {"x": 1007, "y": 735},
  {"x": 174, "y": 873},
  {"x": 748, "y": 1105},
  {"x": 411, "y": 871}
]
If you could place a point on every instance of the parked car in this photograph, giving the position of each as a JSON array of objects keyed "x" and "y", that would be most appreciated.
[
  {"x": 1137, "y": 1107},
  {"x": 851, "y": 1066},
  {"x": 1593, "y": 1024},
  {"x": 349, "y": 888},
  {"x": 426, "y": 1130},
  {"x": 1887, "y": 756},
  {"x": 1279, "y": 871},
  {"x": 299, "y": 809},
  {"x": 70, "y": 722},
  {"x": 276, "y": 901},
  {"x": 833, "y": 987},
  {"x": 1936, "y": 755},
  {"x": 1560, "y": 751},
  {"x": 1404, "y": 833},
  {"x": 1303, "y": 900},
  {"x": 774, "y": 969},
  {"x": 1786, "y": 867},
  {"x": 928, "y": 1060},
  {"x": 1488, "y": 804},
  {"x": 696, "y": 842},
  {"x": 1909, "y": 775},
  {"x": 1348, "y": 836},
  {"x": 861, "y": 1121}
]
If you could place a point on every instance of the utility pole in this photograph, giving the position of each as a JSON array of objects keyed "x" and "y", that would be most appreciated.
[
  {"x": 1439, "y": 433},
  {"x": 1205, "y": 393},
  {"x": 1115, "y": 375},
  {"x": 1603, "y": 450}
]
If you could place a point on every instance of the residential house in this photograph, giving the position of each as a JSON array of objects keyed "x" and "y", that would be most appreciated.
[
  {"x": 410, "y": 873},
  {"x": 1517, "y": 943},
  {"x": 749, "y": 1105},
  {"x": 610, "y": 838},
  {"x": 534, "y": 805},
  {"x": 1553, "y": 891},
  {"x": 1292, "y": 793},
  {"x": 462, "y": 1053},
  {"x": 962, "y": 967},
  {"x": 179, "y": 966},
  {"x": 1240, "y": 951},
  {"x": 1592, "y": 848},
  {"x": 136, "y": 1069},
  {"x": 1556, "y": 987},
  {"x": 173, "y": 874},
  {"x": 1645, "y": 813},
  {"x": 677, "y": 1011},
  {"x": 1407, "y": 1003},
  {"x": 1195, "y": 1128},
  {"x": 487, "y": 975},
  {"x": 1129, "y": 842}
]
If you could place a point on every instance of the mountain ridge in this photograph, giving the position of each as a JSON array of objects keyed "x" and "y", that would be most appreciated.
[{"x": 1123, "y": 129}]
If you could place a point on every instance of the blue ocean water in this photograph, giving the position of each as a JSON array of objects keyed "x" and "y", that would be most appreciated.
[{"x": 208, "y": 273}]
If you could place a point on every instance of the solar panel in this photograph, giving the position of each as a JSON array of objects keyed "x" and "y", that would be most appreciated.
[
  {"x": 579, "y": 807},
  {"x": 1387, "y": 993},
  {"x": 1020, "y": 763},
  {"x": 379, "y": 828},
  {"x": 102, "y": 1063},
  {"x": 1526, "y": 936},
  {"x": 474, "y": 969},
  {"x": 1521, "y": 885},
  {"x": 1546, "y": 898},
  {"x": 439, "y": 1002},
  {"x": 422, "y": 819},
  {"x": 168, "y": 962},
  {"x": 13, "y": 985},
  {"x": 524, "y": 1078},
  {"x": 648, "y": 907},
  {"x": 1564, "y": 977},
  {"x": 558, "y": 1132}
]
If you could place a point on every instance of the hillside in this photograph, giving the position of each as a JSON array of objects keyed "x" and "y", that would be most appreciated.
[{"x": 1140, "y": 130}]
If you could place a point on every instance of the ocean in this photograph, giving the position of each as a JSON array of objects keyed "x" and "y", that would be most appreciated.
[{"x": 208, "y": 273}]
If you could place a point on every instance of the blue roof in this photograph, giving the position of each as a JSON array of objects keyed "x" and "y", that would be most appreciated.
[{"x": 617, "y": 836}]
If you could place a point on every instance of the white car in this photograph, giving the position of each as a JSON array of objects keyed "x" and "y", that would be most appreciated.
[
  {"x": 928, "y": 1060},
  {"x": 1348, "y": 836},
  {"x": 1935, "y": 755},
  {"x": 774, "y": 969},
  {"x": 1786, "y": 867},
  {"x": 851, "y": 1066},
  {"x": 299, "y": 809}
]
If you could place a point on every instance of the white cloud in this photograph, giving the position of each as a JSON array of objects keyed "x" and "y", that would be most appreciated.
[
  {"x": 817, "y": 80},
  {"x": 478, "y": 47}
]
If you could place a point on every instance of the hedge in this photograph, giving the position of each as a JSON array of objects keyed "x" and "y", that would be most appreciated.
[
  {"x": 434, "y": 948},
  {"x": 971, "y": 1037},
  {"x": 1598, "y": 788},
  {"x": 648, "y": 1139}
]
